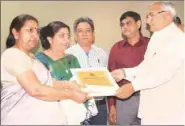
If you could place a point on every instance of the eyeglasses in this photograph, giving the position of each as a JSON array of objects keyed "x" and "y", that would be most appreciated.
[{"x": 153, "y": 15}]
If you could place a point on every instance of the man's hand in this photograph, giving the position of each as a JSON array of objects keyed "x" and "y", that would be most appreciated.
[
  {"x": 118, "y": 74},
  {"x": 112, "y": 115},
  {"x": 125, "y": 91}
]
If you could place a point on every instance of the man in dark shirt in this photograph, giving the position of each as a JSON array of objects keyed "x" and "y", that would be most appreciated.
[{"x": 127, "y": 53}]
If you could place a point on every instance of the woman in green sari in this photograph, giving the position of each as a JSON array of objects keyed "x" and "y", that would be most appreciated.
[{"x": 55, "y": 39}]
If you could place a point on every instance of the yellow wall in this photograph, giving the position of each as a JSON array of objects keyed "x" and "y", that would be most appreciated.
[{"x": 105, "y": 15}]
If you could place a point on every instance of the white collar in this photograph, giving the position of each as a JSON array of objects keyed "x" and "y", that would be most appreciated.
[
  {"x": 170, "y": 28},
  {"x": 80, "y": 48}
]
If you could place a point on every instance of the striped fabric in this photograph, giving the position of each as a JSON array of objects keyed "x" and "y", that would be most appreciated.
[{"x": 96, "y": 57}]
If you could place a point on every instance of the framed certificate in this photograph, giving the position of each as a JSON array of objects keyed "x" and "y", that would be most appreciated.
[{"x": 95, "y": 81}]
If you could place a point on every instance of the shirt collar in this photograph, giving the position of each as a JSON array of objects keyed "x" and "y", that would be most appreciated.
[
  {"x": 91, "y": 50},
  {"x": 140, "y": 42},
  {"x": 162, "y": 37},
  {"x": 165, "y": 30}
]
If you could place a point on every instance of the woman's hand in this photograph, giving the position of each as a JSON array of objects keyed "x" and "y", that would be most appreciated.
[
  {"x": 79, "y": 96},
  {"x": 74, "y": 89},
  {"x": 66, "y": 85}
]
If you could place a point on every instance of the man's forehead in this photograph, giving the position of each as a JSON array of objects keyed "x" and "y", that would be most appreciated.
[
  {"x": 156, "y": 7},
  {"x": 127, "y": 19},
  {"x": 83, "y": 25}
]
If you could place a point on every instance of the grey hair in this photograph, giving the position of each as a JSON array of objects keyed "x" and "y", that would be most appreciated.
[
  {"x": 83, "y": 19},
  {"x": 169, "y": 7}
]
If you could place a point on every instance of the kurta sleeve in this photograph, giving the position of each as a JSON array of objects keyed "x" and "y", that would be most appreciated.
[{"x": 158, "y": 71}]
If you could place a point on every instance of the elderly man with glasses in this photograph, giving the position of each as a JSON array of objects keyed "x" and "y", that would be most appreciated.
[{"x": 160, "y": 76}]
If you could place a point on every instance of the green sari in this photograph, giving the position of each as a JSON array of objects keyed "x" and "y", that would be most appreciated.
[{"x": 59, "y": 69}]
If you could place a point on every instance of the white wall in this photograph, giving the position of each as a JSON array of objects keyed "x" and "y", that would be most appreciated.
[{"x": 105, "y": 15}]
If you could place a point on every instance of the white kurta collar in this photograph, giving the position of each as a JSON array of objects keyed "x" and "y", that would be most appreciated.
[{"x": 165, "y": 31}]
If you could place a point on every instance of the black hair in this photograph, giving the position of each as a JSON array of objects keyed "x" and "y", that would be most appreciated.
[
  {"x": 177, "y": 20},
  {"x": 49, "y": 31},
  {"x": 131, "y": 14},
  {"x": 17, "y": 23}
]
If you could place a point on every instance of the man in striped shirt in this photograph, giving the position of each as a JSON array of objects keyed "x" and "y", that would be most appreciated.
[{"x": 90, "y": 55}]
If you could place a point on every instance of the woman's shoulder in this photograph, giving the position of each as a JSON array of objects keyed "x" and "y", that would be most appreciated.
[
  {"x": 13, "y": 53},
  {"x": 11, "y": 50},
  {"x": 43, "y": 58},
  {"x": 71, "y": 57},
  {"x": 38, "y": 54},
  {"x": 20, "y": 60}
]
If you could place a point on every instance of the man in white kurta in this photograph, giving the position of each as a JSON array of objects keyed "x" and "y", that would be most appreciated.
[{"x": 160, "y": 77}]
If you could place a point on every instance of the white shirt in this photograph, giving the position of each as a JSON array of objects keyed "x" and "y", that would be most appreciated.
[
  {"x": 160, "y": 76},
  {"x": 96, "y": 57}
]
